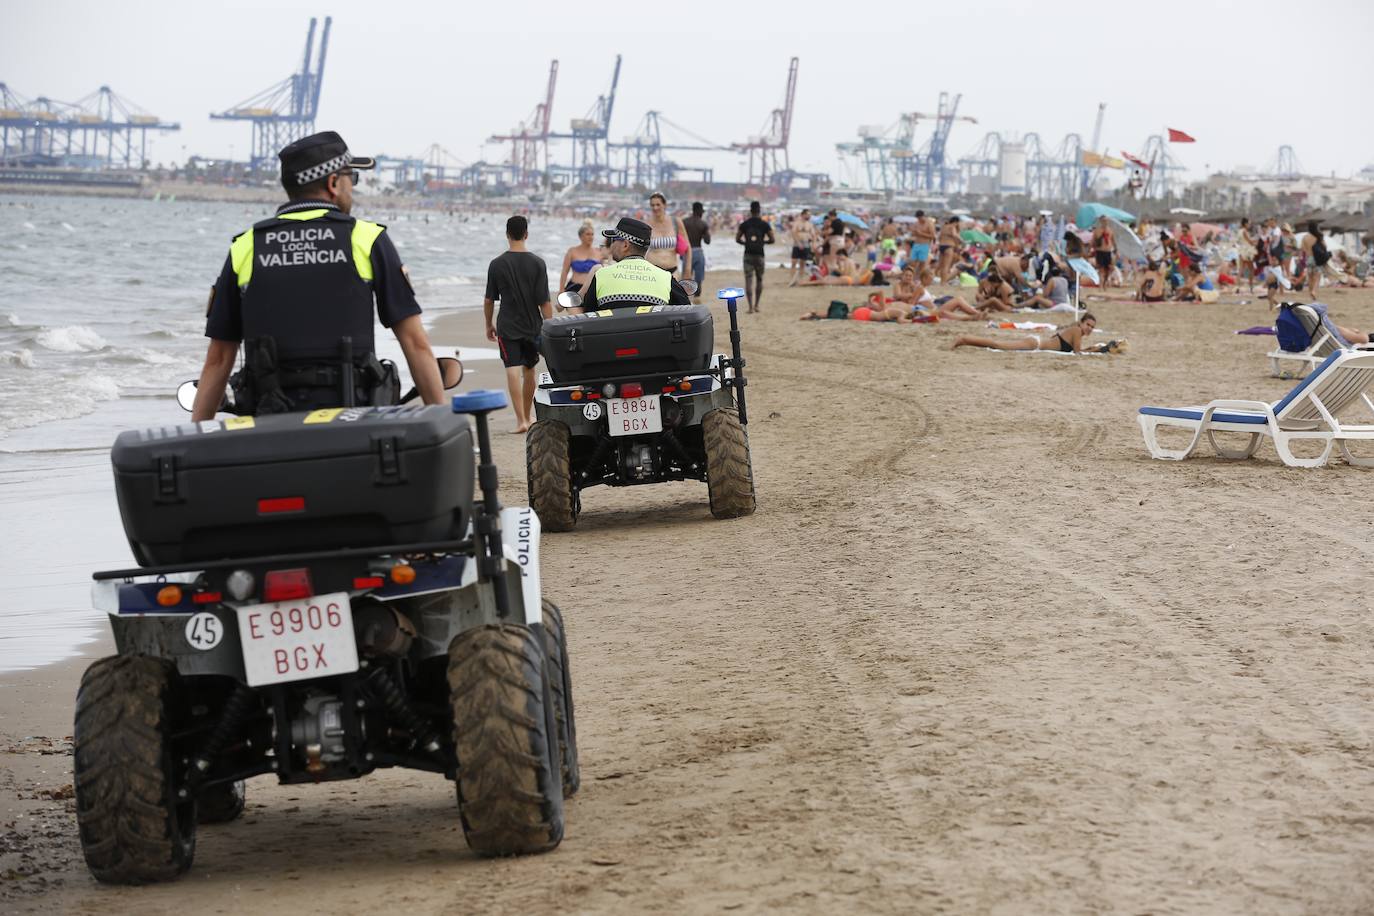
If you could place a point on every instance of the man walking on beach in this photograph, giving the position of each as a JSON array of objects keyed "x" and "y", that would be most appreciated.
[
  {"x": 754, "y": 233},
  {"x": 803, "y": 238},
  {"x": 520, "y": 281},
  {"x": 698, "y": 234}
]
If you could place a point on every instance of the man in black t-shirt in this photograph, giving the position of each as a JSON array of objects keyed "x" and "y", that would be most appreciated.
[
  {"x": 519, "y": 279},
  {"x": 754, "y": 233}
]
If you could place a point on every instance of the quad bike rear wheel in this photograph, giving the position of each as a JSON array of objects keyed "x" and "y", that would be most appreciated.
[
  {"x": 505, "y": 732},
  {"x": 729, "y": 474},
  {"x": 560, "y": 682},
  {"x": 549, "y": 466},
  {"x": 136, "y": 820}
]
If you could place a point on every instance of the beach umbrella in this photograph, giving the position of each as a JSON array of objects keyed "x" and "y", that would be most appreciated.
[
  {"x": 978, "y": 238},
  {"x": 847, "y": 217},
  {"x": 1088, "y": 214},
  {"x": 1127, "y": 242},
  {"x": 1200, "y": 230}
]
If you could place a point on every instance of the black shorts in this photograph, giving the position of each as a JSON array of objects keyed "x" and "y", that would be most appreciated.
[
  {"x": 801, "y": 254},
  {"x": 519, "y": 351},
  {"x": 1104, "y": 259}
]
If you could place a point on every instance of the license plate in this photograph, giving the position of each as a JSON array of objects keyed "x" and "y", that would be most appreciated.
[
  {"x": 295, "y": 640},
  {"x": 632, "y": 416}
]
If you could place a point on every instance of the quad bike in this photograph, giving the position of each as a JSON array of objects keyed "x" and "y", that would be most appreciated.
[
  {"x": 634, "y": 396},
  {"x": 320, "y": 595}
]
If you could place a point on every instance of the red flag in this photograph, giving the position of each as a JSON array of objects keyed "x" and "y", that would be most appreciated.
[
  {"x": 1138, "y": 163},
  {"x": 1178, "y": 136}
]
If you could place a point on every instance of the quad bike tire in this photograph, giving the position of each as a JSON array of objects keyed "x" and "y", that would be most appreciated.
[
  {"x": 222, "y": 803},
  {"x": 505, "y": 733},
  {"x": 549, "y": 465},
  {"x": 729, "y": 473},
  {"x": 136, "y": 824},
  {"x": 560, "y": 683}
]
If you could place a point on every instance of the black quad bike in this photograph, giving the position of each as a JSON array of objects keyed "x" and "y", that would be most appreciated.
[
  {"x": 633, "y": 395},
  {"x": 320, "y": 595}
]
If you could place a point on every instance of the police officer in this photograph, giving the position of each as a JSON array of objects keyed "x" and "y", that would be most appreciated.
[
  {"x": 631, "y": 280},
  {"x": 298, "y": 292}
]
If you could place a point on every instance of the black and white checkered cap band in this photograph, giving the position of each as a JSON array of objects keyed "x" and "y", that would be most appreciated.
[
  {"x": 617, "y": 234},
  {"x": 328, "y": 167}
]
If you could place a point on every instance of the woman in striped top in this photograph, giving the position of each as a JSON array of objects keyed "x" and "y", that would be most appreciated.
[{"x": 667, "y": 230}]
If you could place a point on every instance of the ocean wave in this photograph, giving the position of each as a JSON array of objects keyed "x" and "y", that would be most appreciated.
[
  {"x": 22, "y": 357},
  {"x": 145, "y": 356},
  {"x": 447, "y": 281},
  {"x": 69, "y": 227},
  {"x": 31, "y": 227},
  {"x": 75, "y": 338},
  {"x": 13, "y": 320},
  {"x": 78, "y": 397}
]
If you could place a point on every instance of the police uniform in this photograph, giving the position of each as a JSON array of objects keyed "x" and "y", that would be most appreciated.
[
  {"x": 296, "y": 285},
  {"x": 633, "y": 280}
]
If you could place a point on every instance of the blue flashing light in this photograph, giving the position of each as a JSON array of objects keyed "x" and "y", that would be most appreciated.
[
  {"x": 479, "y": 401},
  {"x": 730, "y": 292}
]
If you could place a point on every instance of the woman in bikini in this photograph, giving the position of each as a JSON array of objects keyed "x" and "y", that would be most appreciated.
[
  {"x": 953, "y": 308},
  {"x": 664, "y": 242},
  {"x": 581, "y": 261},
  {"x": 1065, "y": 340},
  {"x": 1152, "y": 285}
]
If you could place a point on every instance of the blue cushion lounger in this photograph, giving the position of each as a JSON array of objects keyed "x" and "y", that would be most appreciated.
[{"x": 1309, "y": 411}]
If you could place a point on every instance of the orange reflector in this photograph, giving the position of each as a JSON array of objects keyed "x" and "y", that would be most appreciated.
[
  {"x": 369, "y": 582},
  {"x": 169, "y": 595},
  {"x": 684, "y": 385},
  {"x": 207, "y": 598},
  {"x": 576, "y": 395},
  {"x": 402, "y": 574}
]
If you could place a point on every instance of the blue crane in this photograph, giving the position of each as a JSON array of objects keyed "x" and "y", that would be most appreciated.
[
  {"x": 285, "y": 111},
  {"x": 100, "y": 130},
  {"x": 591, "y": 155}
]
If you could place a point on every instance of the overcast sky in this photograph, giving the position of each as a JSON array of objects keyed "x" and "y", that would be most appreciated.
[{"x": 1241, "y": 77}]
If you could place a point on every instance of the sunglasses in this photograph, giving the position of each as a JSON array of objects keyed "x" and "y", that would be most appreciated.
[{"x": 351, "y": 174}]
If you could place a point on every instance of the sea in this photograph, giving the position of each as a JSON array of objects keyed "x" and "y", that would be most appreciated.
[{"x": 102, "y": 316}]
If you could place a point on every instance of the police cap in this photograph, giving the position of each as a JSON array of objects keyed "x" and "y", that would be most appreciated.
[
  {"x": 317, "y": 156},
  {"x": 634, "y": 231}
]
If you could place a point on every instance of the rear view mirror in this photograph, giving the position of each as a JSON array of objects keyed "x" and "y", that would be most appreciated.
[
  {"x": 186, "y": 395},
  {"x": 451, "y": 372},
  {"x": 570, "y": 300},
  {"x": 689, "y": 286}
]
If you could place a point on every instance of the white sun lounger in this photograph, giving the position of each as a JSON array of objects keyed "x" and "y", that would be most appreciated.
[
  {"x": 1309, "y": 411},
  {"x": 1326, "y": 339}
]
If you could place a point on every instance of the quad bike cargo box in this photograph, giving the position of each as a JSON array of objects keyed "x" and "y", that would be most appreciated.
[
  {"x": 612, "y": 343},
  {"x": 288, "y": 483}
]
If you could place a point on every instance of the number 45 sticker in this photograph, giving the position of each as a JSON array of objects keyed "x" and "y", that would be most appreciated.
[{"x": 204, "y": 631}]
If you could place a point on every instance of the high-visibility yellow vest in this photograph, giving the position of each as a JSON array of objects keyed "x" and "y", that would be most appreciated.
[{"x": 632, "y": 281}]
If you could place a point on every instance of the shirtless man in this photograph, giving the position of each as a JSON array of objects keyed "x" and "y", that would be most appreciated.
[
  {"x": 1104, "y": 250},
  {"x": 803, "y": 242},
  {"x": 1012, "y": 270},
  {"x": 922, "y": 237}
]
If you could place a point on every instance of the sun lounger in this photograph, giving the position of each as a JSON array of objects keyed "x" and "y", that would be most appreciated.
[
  {"x": 1325, "y": 336},
  {"x": 1309, "y": 411}
]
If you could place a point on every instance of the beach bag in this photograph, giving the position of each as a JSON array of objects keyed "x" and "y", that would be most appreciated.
[
  {"x": 1320, "y": 253},
  {"x": 1294, "y": 335},
  {"x": 838, "y": 310},
  {"x": 681, "y": 244}
]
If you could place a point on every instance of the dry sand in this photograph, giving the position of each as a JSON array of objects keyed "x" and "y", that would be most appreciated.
[{"x": 976, "y": 652}]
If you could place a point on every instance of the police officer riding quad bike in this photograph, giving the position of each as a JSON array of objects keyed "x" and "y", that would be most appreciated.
[
  {"x": 319, "y": 596},
  {"x": 320, "y": 591},
  {"x": 633, "y": 394}
]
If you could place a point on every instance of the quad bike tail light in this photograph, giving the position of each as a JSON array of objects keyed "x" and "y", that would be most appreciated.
[
  {"x": 287, "y": 584},
  {"x": 631, "y": 390}
]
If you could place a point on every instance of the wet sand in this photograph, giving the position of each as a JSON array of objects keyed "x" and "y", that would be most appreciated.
[{"x": 976, "y": 652}]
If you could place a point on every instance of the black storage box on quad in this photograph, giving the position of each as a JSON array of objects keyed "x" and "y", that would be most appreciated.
[
  {"x": 612, "y": 343},
  {"x": 290, "y": 483}
]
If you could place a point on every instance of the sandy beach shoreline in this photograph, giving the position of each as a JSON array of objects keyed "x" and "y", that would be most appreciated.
[{"x": 976, "y": 652}]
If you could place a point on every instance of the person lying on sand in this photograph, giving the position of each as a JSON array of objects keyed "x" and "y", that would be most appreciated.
[
  {"x": 952, "y": 307},
  {"x": 845, "y": 273},
  {"x": 872, "y": 312},
  {"x": 1066, "y": 340}
]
